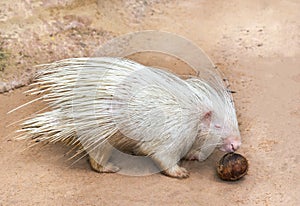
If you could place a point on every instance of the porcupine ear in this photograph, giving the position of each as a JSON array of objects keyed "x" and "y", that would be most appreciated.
[{"x": 207, "y": 119}]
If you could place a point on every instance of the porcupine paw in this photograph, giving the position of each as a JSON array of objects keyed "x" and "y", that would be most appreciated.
[
  {"x": 192, "y": 157},
  {"x": 200, "y": 156},
  {"x": 176, "y": 171},
  {"x": 108, "y": 168}
]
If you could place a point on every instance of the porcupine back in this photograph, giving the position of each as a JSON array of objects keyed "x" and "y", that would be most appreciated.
[{"x": 94, "y": 98}]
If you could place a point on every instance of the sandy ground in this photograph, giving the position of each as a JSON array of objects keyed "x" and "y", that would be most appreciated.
[{"x": 255, "y": 43}]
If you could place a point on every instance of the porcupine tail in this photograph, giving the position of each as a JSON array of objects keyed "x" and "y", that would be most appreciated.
[{"x": 79, "y": 91}]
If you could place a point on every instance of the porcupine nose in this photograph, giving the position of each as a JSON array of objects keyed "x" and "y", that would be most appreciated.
[
  {"x": 231, "y": 144},
  {"x": 235, "y": 145}
]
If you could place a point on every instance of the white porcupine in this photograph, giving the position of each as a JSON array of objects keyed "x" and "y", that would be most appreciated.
[{"x": 101, "y": 103}]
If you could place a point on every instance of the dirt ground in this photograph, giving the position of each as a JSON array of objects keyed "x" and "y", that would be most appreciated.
[{"x": 255, "y": 43}]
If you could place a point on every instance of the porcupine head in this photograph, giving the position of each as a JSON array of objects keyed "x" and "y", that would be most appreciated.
[{"x": 219, "y": 126}]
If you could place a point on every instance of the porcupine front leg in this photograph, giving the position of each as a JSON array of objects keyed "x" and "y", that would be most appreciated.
[
  {"x": 99, "y": 159},
  {"x": 202, "y": 152},
  {"x": 196, "y": 155},
  {"x": 169, "y": 167},
  {"x": 176, "y": 171}
]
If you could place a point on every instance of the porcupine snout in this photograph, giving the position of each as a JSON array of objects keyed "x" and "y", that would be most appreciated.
[{"x": 231, "y": 144}]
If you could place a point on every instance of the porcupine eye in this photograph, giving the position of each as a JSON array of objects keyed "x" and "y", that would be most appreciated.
[{"x": 217, "y": 126}]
